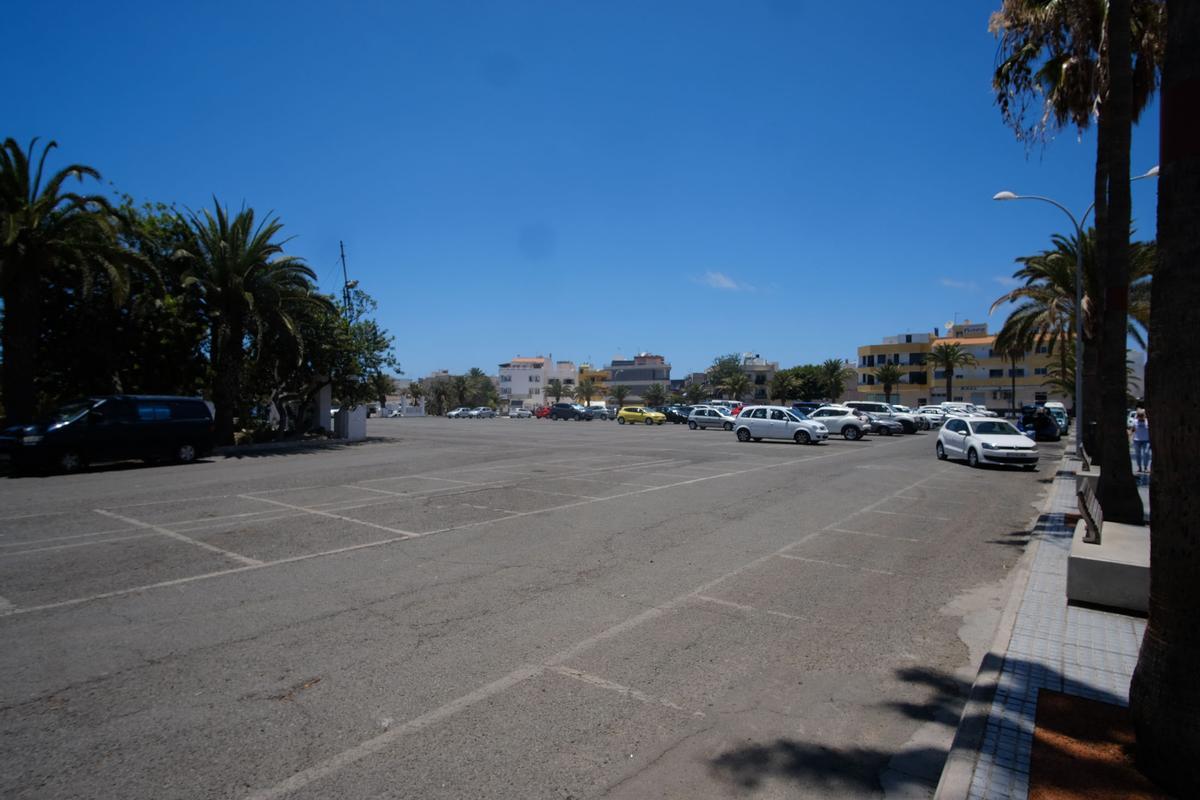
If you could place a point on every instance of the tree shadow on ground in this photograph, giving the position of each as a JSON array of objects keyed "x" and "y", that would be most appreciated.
[
  {"x": 859, "y": 770},
  {"x": 1013, "y": 539}
]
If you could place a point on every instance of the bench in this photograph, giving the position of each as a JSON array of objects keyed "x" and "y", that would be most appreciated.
[
  {"x": 1088, "y": 473},
  {"x": 1109, "y": 563}
]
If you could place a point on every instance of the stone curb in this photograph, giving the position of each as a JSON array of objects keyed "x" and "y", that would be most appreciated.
[{"x": 959, "y": 769}]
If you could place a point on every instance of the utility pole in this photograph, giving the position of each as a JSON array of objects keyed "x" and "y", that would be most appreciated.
[{"x": 345, "y": 279}]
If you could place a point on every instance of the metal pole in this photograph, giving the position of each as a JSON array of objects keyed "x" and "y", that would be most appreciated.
[{"x": 1078, "y": 338}]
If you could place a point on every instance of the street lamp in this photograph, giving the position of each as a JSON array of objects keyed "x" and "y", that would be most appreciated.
[{"x": 1150, "y": 173}]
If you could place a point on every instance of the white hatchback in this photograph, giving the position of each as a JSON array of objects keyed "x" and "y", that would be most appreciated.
[
  {"x": 983, "y": 440},
  {"x": 777, "y": 422}
]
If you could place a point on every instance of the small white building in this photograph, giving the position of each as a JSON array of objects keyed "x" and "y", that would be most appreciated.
[{"x": 523, "y": 379}]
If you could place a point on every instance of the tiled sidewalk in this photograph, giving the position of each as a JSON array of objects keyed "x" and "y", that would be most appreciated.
[{"x": 1073, "y": 650}]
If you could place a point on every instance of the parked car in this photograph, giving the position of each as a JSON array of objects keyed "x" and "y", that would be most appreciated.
[
  {"x": 923, "y": 423},
  {"x": 482, "y": 412},
  {"x": 882, "y": 411},
  {"x": 1060, "y": 416},
  {"x": 637, "y": 414},
  {"x": 676, "y": 415},
  {"x": 573, "y": 411},
  {"x": 982, "y": 440},
  {"x": 882, "y": 425},
  {"x": 542, "y": 412},
  {"x": 841, "y": 420},
  {"x": 805, "y": 407},
  {"x": 520, "y": 413},
  {"x": 1038, "y": 423},
  {"x": 777, "y": 422},
  {"x": 935, "y": 414},
  {"x": 462, "y": 412},
  {"x": 710, "y": 417},
  {"x": 604, "y": 412},
  {"x": 114, "y": 428}
]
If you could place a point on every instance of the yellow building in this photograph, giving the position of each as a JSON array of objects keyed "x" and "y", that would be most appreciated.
[
  {"x": 597, "y": 376},
  {"x": 989, "y": 383}
]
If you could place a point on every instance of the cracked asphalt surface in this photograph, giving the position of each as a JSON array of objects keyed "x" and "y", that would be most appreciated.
[{"x": 502, "y": 609}]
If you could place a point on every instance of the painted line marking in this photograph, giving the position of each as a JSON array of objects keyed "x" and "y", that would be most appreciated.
[
  {"x": 834, "y": 564},
  {"x": 383, "y": 542},
  {"x": 905, "y": 514},
  {"x": 422, "y": 476},
  {"x": 743, "y": 607},
  {"x": 612, "y": 686},
  {"x": 126, "y": 529},
  {"x": 252, "y": 562},
  {"x": 77, "y": 544},
  {"x": 401, "y": 533},
  {"x": 878, "y": 535},
  {"x": 34, "y": 514}
]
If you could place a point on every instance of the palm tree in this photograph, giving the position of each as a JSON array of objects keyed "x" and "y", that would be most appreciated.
[
  {"x": 736, "y": 384},
  {"x": 950, "y": 356},
  {"x": 618, "y": 394},
  {"x": 888, "y": 375},
  {"x": 250, "y": 291},
  {"x": 585, "y": 389},
  {"x": 655, "y": 395},
  {"x": 555, "y": 389},
  {"x": 414, "y": 393},
  {"x": 1164, "y": 693},
  {"x": 441, "y": 397},
  {"x": 834, "y": 374},
  {"x": 45, "y": 230},
  {"x": 782, "y": 386},
  {"x": 694, "y": 393}
]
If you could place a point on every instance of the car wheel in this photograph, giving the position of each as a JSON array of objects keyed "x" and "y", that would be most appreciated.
[
  {"x": 887, "y": 431},
  {"x": 620, "y": 420},
  {"x": 743, "y": 435},
  {"x": 728, "y": 426},
  {"x": 972, "y": 458},
  {"x": 649, "y": 421},
  {"x": 185, "y": 453},
  {"x": 691, "y": 425},
  {"x": 851, "y": 433},
  {"x": 71, "y": 461},
  {"x": 802, "y": 437},
  {"x": 941, "y": 452}
]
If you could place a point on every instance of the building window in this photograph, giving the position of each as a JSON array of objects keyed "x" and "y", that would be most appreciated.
[
  {"x": 908, "y": 338},
  {"x": 1039, "y": 370},
  {"x": 1017, "y": 373},
  {"x": 1043, "y": 349},
  {"x": 916, "y": 359},
  {"x": 995, "y": 373},
  {"x": 1039, "y": 397},
  {"x": 939, "y": 374},
  {"x": 916, "y": 377},
  {"x": 870, "y": 361}
]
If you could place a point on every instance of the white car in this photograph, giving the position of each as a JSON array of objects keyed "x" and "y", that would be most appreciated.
[
  {"x": 842, "y": 420},
  {"x": 777, "y": 422},
  {"x": 710, "y": 417},
  {"x": 519, "y": 413},
  {"x": 983, "y": 440},
  {"x": 462, "y": 412}
]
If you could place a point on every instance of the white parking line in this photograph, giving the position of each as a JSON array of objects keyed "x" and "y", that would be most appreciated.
[
  {"x": 401, "y": 533},
  {"x": 66, "y": 538},
  {"x": 878, "y": 535},
  {"x": 75, "y": 544},
  {"x": 743, "y": 607},
  {"x": 835, "y": 564},
  {"x": 604, "y": 683},
  {"x": 904, "y": 514},
  {"x": 252, "y": 562}
]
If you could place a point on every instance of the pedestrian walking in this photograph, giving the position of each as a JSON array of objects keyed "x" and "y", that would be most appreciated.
[{"x": 1141, "y": 441}]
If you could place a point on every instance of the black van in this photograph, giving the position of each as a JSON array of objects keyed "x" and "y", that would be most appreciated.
[{"x": 115, "y": 428}]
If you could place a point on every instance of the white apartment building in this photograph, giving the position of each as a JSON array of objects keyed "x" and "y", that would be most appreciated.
[{"x": 523, "y": 380}]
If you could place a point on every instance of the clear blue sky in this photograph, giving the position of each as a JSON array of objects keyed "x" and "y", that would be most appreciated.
[{"x": 578, "y": 178}]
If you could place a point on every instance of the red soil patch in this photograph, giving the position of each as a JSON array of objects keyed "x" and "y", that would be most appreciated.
[{"x": 1084, "y": 749}]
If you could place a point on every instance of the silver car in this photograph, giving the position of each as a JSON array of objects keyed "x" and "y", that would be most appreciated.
[
  {"x": 841, "y": 420},
  {"x": 519, "y": 413},
  {"x": 777, "y": 422},
  {"x": 483, "y": 412},
  {"x": 710, "y": 417},
  {"x": 882, "y": 411}
]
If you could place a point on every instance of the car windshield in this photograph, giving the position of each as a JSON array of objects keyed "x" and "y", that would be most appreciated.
[
  {"x": 996, "y": 427},
  {"x": 796, "y": 416},
  {"x": 69, "y": 412}
]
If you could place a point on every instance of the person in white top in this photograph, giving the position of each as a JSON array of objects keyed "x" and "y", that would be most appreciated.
[{"x": 1141, "y": 441}]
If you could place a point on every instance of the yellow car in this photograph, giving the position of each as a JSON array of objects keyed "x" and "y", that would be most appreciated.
[{"x": 636, "y": 414}]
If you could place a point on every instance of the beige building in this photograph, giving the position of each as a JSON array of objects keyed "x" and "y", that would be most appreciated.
[{"x": 989, "y": 383}]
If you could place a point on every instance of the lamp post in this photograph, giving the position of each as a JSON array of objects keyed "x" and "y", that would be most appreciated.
[{"x": 1150, "y": 173}]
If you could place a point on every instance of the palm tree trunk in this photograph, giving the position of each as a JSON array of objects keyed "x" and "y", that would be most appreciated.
[
  {"x": 227, "y": 366},
  {"x": 949, "y": 384},
  {"x": 1012, "y": 398},
  {"x": 1117, "y": 490},
  {"x": 22, "y": 332},
  {"x": 1164, "y": 695}
]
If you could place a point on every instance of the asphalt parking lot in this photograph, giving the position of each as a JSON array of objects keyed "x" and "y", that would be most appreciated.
[{"x": 502, "y": 608}]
